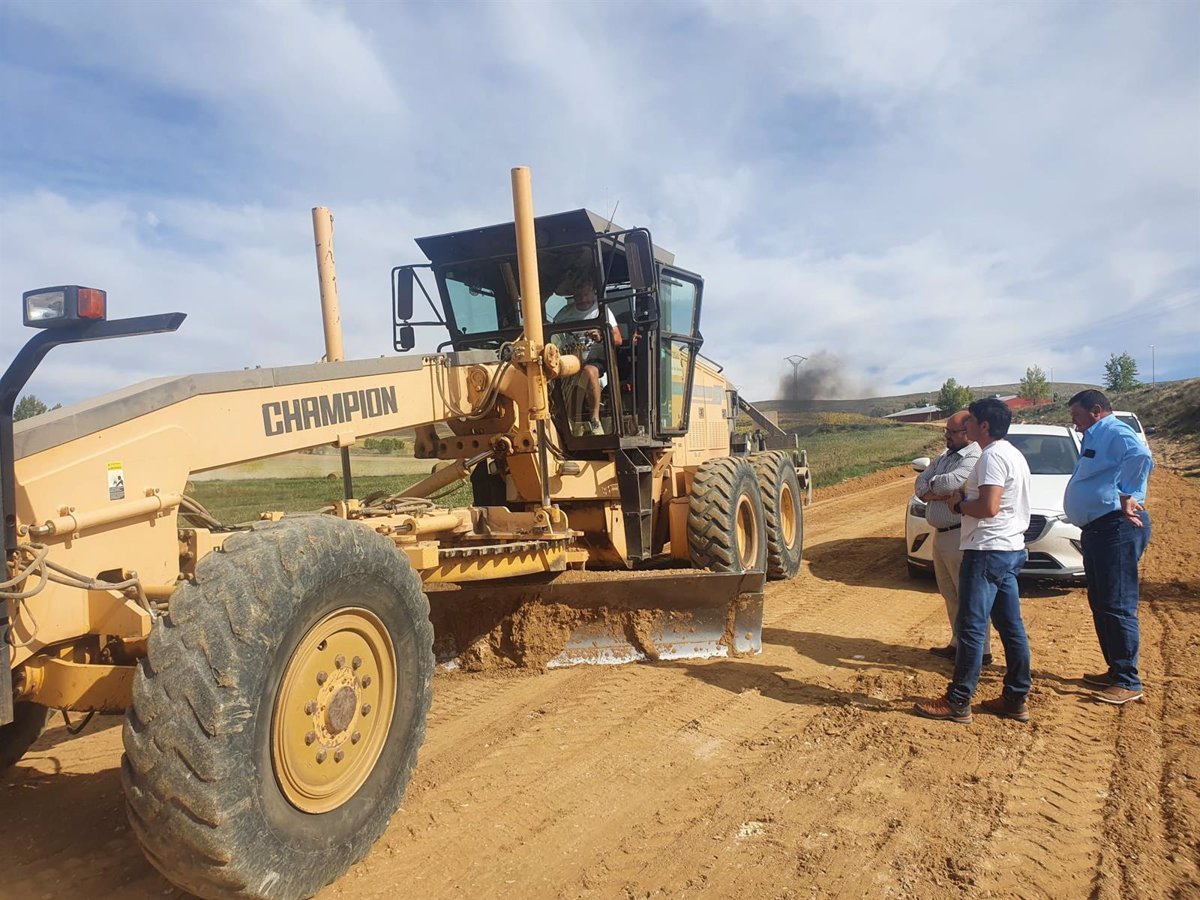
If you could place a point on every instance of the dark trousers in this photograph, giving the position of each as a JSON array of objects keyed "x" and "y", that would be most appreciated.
[
  {"x": 987, "y": 589},
  {"x": 1112, "y": 547}
]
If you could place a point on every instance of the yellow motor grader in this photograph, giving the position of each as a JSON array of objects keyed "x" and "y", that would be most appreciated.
[{"x": 275, "y": 676}]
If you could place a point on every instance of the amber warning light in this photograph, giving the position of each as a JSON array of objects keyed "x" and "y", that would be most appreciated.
[{"x": 56, "y": 306}]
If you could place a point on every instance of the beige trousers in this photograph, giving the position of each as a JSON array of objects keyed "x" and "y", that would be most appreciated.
[{"x": 946, "y": 560}]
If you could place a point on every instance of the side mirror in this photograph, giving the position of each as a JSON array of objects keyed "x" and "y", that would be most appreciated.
[
  {"x": 405, "y": 338},
  {"x": 404, "y": 294},
  {"x": 639, "y": 257},
  {"x": 920, "y": 464}
]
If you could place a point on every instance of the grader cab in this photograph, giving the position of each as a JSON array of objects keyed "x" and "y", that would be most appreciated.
[{"x": 275, "y": 676}]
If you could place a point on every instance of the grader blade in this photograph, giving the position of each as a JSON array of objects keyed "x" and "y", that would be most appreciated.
[{"x": 597, "y": 618}]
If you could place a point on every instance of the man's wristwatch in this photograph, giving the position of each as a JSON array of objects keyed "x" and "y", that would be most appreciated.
[{"x": 957, "y": 507}]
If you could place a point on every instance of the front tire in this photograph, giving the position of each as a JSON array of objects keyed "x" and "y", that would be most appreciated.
[
  {"x": 276, "y": 719},
  {"x": 782, "y": 511},
  {"x": 726, "y": 527}
]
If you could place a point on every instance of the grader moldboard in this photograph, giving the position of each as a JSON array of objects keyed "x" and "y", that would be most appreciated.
[{"x": 275, "y": 677}]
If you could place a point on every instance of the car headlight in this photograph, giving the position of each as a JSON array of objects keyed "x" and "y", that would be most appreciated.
[{"x": 916, "y": 508}]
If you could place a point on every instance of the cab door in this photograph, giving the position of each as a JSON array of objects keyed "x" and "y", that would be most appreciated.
[{"x": 679, "y": 340}]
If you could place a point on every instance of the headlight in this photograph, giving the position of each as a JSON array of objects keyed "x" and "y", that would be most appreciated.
[
  {"x": 916, "y": 508},
  {"x": 55, "y": 306}
]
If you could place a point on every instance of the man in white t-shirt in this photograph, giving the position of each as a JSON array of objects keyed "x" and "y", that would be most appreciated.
[
  {"x": 581, "y": 308},
  {"x": 995, "y": 514}
]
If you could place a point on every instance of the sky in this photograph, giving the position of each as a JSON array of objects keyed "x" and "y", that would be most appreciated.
[{"x": 907, "y": 191}]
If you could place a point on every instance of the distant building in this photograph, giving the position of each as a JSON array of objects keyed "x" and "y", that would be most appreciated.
[
  {"x": 1012, "y": 401},
  {"x": 918, "y": 414}
]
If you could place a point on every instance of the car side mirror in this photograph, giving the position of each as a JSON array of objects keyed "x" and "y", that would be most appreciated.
[{"x": 920, "y": 464}]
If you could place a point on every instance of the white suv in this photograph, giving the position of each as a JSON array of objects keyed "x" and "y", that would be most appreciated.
[
  {"x": 1053, "y": 543},
  {"x": 1131, "y": 419}
]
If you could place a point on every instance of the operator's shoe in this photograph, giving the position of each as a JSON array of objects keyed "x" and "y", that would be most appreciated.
[
  {"x": 1006, "y": 709},
  {"x": 1117, "y": 695},
  {"x": 1100, "y": 679},
  {"x": 593, "y": 427},
  {"x": 941, "y": 708}
]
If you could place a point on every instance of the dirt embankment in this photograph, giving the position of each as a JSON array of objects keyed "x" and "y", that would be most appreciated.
[{"x": 797, "y": 773}]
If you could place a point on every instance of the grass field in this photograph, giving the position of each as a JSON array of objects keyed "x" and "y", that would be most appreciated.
[
  {"x": 836, "y": 456},
  {"x": 833, "y": 456},
  {"x": 242, "y": 500}
]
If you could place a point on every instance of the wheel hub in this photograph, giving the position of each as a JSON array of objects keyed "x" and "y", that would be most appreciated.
[{"x": 333, "y": 710}]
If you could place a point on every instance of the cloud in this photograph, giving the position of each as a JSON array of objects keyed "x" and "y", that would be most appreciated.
[{"x": 951, "y": 189}]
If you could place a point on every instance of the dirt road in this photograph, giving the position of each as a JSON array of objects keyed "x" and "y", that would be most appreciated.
[{"x": 797, "y": 773}]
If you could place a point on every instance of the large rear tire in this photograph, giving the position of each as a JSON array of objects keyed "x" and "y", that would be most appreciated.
[
  {"x": 726, "y": 528},
  {"x": 276, "y": 719},
  {"x": 29, "y": 720},
  {"x": 783, "y": 512}
]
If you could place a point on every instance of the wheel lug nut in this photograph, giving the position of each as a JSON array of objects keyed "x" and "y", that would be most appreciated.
[
  {"x": 310, "y": 738},
  {"x": 366, "y": 708},
  {"x": 339, "y": 661},
  {"x": 339, "y": 756},
  {"x": 321, "y": 646},
  {"x": 321, "y": 676},
  {"x": 356, "y": 737},
  {"x": 310, "y": 707},
  {"x": 366, "y": 681},
  {"x": 320, "y": 756},
  {"x": 356, "y": 662}
]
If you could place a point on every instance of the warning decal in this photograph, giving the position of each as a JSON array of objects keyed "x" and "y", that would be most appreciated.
[{"x": 116, "y": 481}]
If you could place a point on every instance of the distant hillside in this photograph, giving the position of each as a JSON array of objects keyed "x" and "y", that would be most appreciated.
[
  {"x": 882, "y": 406},
  {"x": 1171, "y": 408}
]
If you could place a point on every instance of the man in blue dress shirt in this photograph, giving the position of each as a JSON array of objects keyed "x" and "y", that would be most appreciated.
[{"x": 1106, "y": 498}]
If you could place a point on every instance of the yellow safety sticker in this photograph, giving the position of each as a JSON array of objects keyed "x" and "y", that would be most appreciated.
[{"x": 116, "y": 481}]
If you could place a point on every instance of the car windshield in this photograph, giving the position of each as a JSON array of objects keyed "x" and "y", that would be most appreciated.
[
  {"x": 1047, "y": 454},
  {"x": 1132, "y": 422}
]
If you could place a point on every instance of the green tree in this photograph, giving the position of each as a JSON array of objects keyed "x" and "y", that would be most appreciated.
[
  {"x": 953, "y": 396},
  {"x": 1120, "y": 373},
  {"x": 1034, "y": 386},
  {"x": 28, "y": 407}
]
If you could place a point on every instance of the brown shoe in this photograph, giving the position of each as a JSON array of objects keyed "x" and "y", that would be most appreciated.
[
  {"x": 946, "y": 652},
  {"x": 940, "y": 708},
  {"x": 1117, "y": 695},
  {"x": 1006, "y": 709},
  {"x": 1100, "y": 679}
]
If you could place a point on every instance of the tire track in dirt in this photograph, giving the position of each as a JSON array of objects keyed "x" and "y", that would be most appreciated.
[{"x": 1046, "y": 840}]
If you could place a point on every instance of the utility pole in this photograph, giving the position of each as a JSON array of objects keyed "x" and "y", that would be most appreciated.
[
  {"x": 795, "y": 360},
  {"x": 1153, "y": 379}
]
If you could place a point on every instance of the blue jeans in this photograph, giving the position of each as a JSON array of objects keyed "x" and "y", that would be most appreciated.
[
  {"x": 1112, "y": 547},
  {"x": 987, "y": 589}
]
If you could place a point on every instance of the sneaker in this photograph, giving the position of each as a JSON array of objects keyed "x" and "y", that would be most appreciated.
[
  {"x": 593, "y": 427},
  {"x": 1006, "y": 709},
  {"x": 1117, "y": 695},
  {"x": 1100, "y": 679},
  {"x": 941, "y": 708}
]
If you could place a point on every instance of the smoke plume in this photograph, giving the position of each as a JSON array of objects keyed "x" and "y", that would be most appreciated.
[{"x": 822, "y": 376}]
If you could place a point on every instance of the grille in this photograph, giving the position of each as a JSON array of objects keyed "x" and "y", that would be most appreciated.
[{"x": 1037, "y": 524}]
